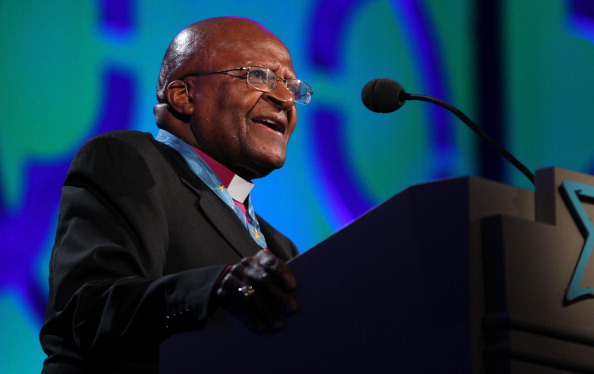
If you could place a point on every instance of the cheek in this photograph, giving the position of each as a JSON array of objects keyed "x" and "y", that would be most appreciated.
[{"x": 292, "y": 117}]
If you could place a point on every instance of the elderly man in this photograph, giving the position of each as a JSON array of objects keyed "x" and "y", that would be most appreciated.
[{"x": 156, "y": 234}]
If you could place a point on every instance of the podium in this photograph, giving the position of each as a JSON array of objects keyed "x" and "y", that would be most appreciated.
[{"x": 462, "y": 275}]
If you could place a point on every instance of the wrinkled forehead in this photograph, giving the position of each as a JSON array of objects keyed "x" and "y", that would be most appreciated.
[
  {"x": 236, "y": 49},
  {"x": 222, "y": 43}
]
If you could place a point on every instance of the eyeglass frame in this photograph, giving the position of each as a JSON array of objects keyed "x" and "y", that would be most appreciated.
[{"x": 284, "y": 80}]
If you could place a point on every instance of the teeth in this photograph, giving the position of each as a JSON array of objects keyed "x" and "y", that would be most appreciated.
[{"x": 270, "y": 123}]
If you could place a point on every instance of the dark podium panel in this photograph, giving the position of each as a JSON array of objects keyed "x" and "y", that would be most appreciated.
[
  {"x": 404, "y": 289},
  {"x": 533, "y": 323}
]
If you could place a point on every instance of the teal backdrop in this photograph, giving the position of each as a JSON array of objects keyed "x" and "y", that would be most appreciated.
[{"x": 72, "y": 69}]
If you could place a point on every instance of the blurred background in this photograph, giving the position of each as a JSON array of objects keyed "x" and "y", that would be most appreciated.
[{"x": 522, "y": 69}]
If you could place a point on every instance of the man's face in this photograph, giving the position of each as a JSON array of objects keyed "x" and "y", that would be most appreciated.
[{"x": 244, "y": 129}]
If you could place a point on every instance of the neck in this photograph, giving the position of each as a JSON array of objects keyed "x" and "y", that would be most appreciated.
[{"x": 167, "y": 120}]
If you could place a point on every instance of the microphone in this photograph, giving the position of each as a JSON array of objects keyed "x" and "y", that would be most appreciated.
[{"x": 386, "y": 95}]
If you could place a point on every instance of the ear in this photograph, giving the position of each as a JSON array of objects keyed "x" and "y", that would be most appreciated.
[{"x": 179, "y": 98}]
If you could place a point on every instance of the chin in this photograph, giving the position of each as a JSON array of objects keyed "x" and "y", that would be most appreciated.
[{"x": 260, "y": 170}]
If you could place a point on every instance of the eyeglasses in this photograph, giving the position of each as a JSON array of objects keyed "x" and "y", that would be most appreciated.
[{"x": 265, "y": 80}]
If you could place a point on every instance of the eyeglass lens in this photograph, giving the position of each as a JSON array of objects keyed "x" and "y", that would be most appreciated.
[{"x": 265, "y": 80}]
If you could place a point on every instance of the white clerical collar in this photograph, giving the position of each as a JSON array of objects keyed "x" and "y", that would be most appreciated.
[{"x": 238, "y": 188}]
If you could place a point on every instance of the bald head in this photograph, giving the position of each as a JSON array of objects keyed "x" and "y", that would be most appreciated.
[{"x": 195, "y": 48}]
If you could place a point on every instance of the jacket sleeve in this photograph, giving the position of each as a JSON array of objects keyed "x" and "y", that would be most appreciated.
[{"x": 108, "y": 290}]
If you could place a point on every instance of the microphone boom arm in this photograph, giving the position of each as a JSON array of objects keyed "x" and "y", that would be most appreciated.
[{"x": 499, "y": 148}]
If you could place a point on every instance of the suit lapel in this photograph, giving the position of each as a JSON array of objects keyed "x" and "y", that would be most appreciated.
[{"x": 224, "y": 220}]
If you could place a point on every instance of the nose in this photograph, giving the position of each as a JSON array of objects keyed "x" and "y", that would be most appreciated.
[{"x": 281, "y": 96}]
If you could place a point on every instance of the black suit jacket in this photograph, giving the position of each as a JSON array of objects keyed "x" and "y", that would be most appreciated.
[{"x": 140, "y": 244}]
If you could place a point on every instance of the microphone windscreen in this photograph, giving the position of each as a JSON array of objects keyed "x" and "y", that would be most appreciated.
[{"x": 382, "y": 95}]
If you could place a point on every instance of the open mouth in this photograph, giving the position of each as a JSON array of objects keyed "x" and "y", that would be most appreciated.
[{"x": 271, "y": 124}]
